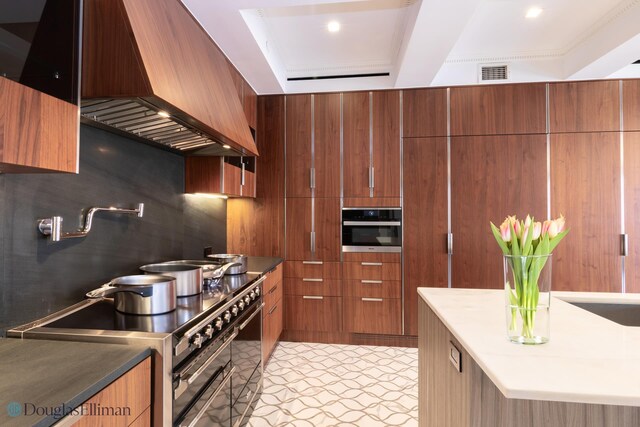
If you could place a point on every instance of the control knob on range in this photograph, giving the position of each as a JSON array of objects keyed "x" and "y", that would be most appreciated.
[
  {"x": 257, "y": 291},
  {"x": 208, "y": 331},
  {"x": 197, "y": 340},
  {"x": 227, "y": 316},
  {"x": 241, "y": 305},
  {"x": 247, "y": 300},
  {"x": 252, "y": 295},
  {"x": 234, "y": 310},
  {"x": 218, "y": 323}
]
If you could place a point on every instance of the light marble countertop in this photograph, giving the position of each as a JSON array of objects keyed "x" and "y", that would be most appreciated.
[{"x": 588, "y": 359}]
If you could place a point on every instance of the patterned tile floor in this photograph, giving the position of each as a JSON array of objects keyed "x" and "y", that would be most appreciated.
[{"x": 320, "y": 385}]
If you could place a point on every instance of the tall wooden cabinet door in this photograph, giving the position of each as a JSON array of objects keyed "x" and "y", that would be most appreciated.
[
  {"x": 326, "y": 145},
  {"x": 298, "y": 143},
  {"x": 425, "y": 221},
  {"x": 357, "y": 145},
  {"x": 327, "y": 229},
  {"x": 424, "y": 112},
  {"x": 492, "y": 177},
  {"x": 585, "y": 188},
  {"x": 298, "y": 229},
  {"x": 632, "y": 207},
  {"x": 386, "y": 144}
]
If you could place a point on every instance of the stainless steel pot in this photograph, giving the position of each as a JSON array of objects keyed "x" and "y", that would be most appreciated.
[
  {"x": 208, "y": 267},
  {"x": 140, "y": 294},
  {"x": 231, "y": 258},
  {"x": 188, "y": 277}
]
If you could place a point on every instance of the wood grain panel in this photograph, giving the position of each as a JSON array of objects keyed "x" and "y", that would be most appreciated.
[
  {"x": 386, "y": 143},
  {"x": 375, "y": 202},
  {"x": 232, "y": 176},
  {"x": 498, "y": 109},
  {"x": 380, "y": 271},
  {"x": 328, "y": 229},
  {"x": 236, "y": 78},
  {"x": 313, "y": 286},
  {"x": 273, "y": 278},
  {"x": 356, "y": 144},
  {"x": 373, "y": 289},
  {"x": 298, "y": 229},
  {"x": 38, "y": 133},
  {"x": 350, "y": 338},
  {"x": 492, "y": 177},
  {"x": 249, "y": 104},
  {"x": 425, "y": 221},
  {"x": 371, "y": 257},
  {"x": 585, "y": 187},
  {"x": 143, "y": 420},
  {"x": 382, "y": 316},
  {"x": 632, "y": 207},
  {"x": 316, "y": 269},
  {"x": 324, "y": 315},
  {"x": 249, "y": 187},
  {"x": 327, "y": 144},
  {"x": 298, "y": 151},
  {"x": 631, "y": 104},
  {"x": 241, "y": 226},
  {"x": 203, "y": 174},
  {"x": 424, "y": 112},
  {"x": 584, "y": 106},
  {"x": 187, "y": 73},
  {"x": 132, "y": 390}
]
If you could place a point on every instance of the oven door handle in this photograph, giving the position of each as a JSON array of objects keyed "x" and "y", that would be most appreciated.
[
  {"x": 210, "y": 400},
  {"x": 254, "y": 314},
  {"x": 372, "y": 223},
  {"x": 186, "y": 380}
]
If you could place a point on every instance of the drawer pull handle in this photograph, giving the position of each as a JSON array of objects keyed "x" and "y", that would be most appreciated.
[
  {"x": 312, "y": 297},
  {"x": 273, "y": 309},
  {"x": 273, "y": 289},
  {"x": 372, "y": 299},
  {"x": 311, "y": 280},
  {"x": 371, "y": 282},
  {"x": 312, "y": 262},
  {"x": 371, "y": 264}
]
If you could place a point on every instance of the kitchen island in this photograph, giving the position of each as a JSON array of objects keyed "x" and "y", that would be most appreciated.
[{"x": 587, "y": 375}]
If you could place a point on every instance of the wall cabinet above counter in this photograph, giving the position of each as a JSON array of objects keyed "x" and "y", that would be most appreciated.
[{"x": 227, "y": 176}]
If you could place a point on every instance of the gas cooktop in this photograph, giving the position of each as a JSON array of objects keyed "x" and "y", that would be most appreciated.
[{"x": 102, "y": 314}]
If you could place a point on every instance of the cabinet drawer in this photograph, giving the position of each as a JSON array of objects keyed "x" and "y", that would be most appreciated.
[
  {"x": 371, "y": 257},
  {"x": 371, "y": 271},
  {"x": 273, "y": 278},
  {"x": 313, "y": 313},
  {"x": 373, "y": 288},
  {"x": 313, "y": 286},
  {"x": 312, "y": 269},
  {"x": 272, "y": 296},
  {"x": 372, "y": 315},
  {"x": 271, "y": 329}
]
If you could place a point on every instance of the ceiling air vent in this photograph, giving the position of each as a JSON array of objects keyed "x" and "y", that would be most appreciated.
[{"x": 493, "y": 72}]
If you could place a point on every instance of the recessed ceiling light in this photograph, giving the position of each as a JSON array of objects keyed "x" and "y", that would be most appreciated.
[
  {"x": 163, "y": 114},
  {"x": 333, "y": 26},
  {"x": 226, "y": 147},
  {"x": 533, "y": 12}
]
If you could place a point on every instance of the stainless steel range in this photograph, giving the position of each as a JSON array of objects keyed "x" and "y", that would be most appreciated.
[{"x": 207, "y": 364}]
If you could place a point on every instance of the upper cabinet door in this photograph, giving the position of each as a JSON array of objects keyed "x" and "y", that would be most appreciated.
[
  {"x": 584, "y": 106},
  {"x": 424, "y": 112},
  {"x": 326, "y": 145},
  {"x": 498, "y": 110},
  {"x": 298, "y": 145},
  {"x": 385, "y": 172},
  {"x": 357, "y": 144}
]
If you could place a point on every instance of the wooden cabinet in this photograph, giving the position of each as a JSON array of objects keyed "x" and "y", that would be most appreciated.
[
  {"x": 584, "y": 106},
  {"x": 313, "y": 229},
  {"x": 631, "y": 209},
  {"x": 498, "y": 110},
  {"x": 371, "y": 133},
  {"x": 425, "y": 221},
  {"x": 219, "y": 175},
  {"x": 38, "y": 133},
  {"x": 631, "y": 104},
  {"x": 131, "y": 391},
  {"x": 373, "y": 315},
  {"x": 424, "y": 112},
  {"x": 298, "y": 146},
  {"x": 272, "y": 313},
  {"x": 585, "y": 187},
  {"x": 299, "y": 229},
  {"x": 492, "y": 177},
  {"x": 250, "y": 104},
  {"x": 313, "y": 313}
]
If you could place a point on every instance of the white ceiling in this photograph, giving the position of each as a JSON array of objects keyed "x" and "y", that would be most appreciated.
[{"x": 420, "y": 43}]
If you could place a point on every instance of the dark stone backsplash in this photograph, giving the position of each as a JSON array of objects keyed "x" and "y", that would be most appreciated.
[{"x": 39, "y": 276}]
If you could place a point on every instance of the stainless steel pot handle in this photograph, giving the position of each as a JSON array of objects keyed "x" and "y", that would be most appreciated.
[
  {"x": 220, "y": 271},
  {"x": 109, "y": 289},
  {"x": 210, "y": 400}
]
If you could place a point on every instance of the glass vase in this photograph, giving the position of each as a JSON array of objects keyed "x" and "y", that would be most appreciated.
[{"x": 527, "y": 285}]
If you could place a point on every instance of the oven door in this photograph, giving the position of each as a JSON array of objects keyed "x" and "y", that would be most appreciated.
[
  {"x": 197, "y": 380},
  {"x": 246, "y": 354},
  {"x": 371, "y": 230}
]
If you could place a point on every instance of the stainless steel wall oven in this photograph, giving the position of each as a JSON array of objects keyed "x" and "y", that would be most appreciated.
[{"x": 371, "y": 230}]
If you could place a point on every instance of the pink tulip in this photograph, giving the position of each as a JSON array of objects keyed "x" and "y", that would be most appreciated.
[
  {"x": 505, "y": 231},
  {"x": 545, "y": 227},
  {"x": 527, "y": 222},
  {"x": 517, "y": 227},
  {"x": 525, "y": 232},
  {"x": 560, "y": 223},
  {"x": 556, "y": 226},
  {"x": 537, "y": 230}
]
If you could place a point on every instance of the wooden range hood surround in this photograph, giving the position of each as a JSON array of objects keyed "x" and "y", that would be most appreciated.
[{"x": 156, "y": 53}]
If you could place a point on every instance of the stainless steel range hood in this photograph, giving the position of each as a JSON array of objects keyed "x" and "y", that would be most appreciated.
[{"x": 151, "y": 72}]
